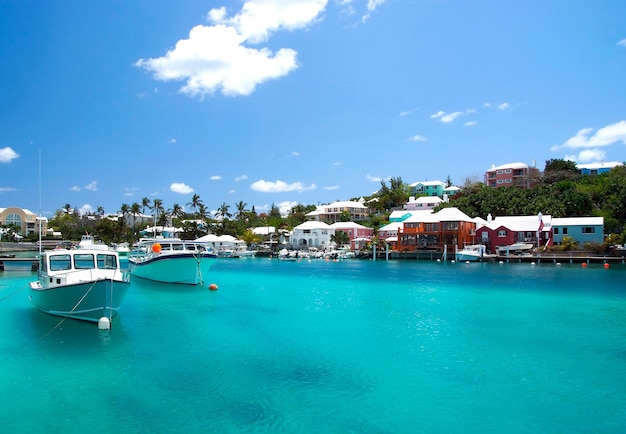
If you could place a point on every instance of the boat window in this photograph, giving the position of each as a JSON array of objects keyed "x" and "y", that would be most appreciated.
[
  {"x": 107, "y": 261},
  {"x": 60, "y": 262},
  {"x": 178, "y": 246},
  {"x": 83, "y": 261}
]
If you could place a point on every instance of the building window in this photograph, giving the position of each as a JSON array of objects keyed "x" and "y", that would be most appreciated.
[
  {"x": 589, "y": 230},
  {"x": 501, "y": 234},
  {"x": 556, "y": 231},
  {"x": 564, "y": 231}
]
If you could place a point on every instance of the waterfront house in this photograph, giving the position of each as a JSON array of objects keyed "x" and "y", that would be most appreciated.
[
  {"x": 597, "y": 168},
  {"x": 580, "y": 229},
  {"x": 507, "y": 230},
  {"x": 448, "y": 228},
  {"x": 358, "y": 235},
  {"x": 311, "y": 234}
]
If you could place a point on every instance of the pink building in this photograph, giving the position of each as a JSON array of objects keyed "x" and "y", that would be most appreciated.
[
  {"x": 512, "y": 175},
  {"x": 358, "y": 234}
]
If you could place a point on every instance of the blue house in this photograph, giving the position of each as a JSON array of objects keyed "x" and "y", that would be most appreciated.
[
  {"x": 581, "y": 229},
  {"x": 597, "y": 168}
]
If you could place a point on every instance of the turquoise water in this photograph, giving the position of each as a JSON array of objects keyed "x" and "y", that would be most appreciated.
[{"x": 334, "y": 347}]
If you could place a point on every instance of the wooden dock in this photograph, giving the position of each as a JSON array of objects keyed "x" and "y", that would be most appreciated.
[{"x": 18, "y": 264}]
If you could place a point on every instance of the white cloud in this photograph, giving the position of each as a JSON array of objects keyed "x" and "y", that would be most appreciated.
[
  {"x": 603, "y": 137},
  {"x": 373, "y": 178},
  {"x": 7, "y": 155},
  {"x": 446, "y": 117},
  {"x": 295, "y": 154},
  {"x": 92, "y": 186},
  {"x": 504, "y": 106},
  {"x": 591, "y": 155},
  {"x": 215, "y": 178},
  {"x": 285, "y": 207},
  {"x": 241, "y": 178},
  {"x": 218, "y": 57},
  {"x": 417, "y": 138},
  {"x": 75, "y": 188},
  {"x": 85, "y": 209},
  {"x": 470, "y": 123},
  {"x": 6, "y": 189},
  {"x": 172, "y": 141},
  {"x": 331, "y": 188},
  {"x": 179, "y": 187},
  {"x": 280, "y": 186},
  {"x": 622, "y": 43}
]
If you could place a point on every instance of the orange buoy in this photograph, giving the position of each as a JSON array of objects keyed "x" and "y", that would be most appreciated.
[
  {"x": 606, "y": 265},
  {"x": 212, "y": 287},
  {"x": 156, "y": 248},
  {"x": 584, "y": 265}
]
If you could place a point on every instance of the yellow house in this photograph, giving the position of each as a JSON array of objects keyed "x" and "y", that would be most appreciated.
[{"x": 26, "y": 221}]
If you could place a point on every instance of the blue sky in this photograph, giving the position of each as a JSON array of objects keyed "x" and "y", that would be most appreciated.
[{"x": 297, "y": 101}]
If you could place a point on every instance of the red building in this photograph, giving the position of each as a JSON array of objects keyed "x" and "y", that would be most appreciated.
[{"x": 512, "y": 175}]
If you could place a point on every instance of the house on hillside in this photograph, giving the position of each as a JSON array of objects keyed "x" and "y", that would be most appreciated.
[
  {"x": 423, "y": 203},
  {"x": 512, "y": 175},
  {"x": 24, "y": 220},
  {"x": 597, "y": 168},
  {"x": 336, "y": 211},
  {"x": 581, "y": 229},
  {"x": 449, "y": 228},
  {"x": 311, "y": 234},
  {"x": 358, "y": 235},
  {"x": 428, "y": 188},
  {"x": 507, "y": 230}
]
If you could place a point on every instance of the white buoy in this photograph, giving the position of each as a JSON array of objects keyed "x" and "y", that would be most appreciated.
[
  {"x": 532, "y": 264},
  {"x": 104, "y": 323},
  {"x": 558, "y": 264},
  {"x": 501, "y": 262},
  {"x": 467, "y": 262}
]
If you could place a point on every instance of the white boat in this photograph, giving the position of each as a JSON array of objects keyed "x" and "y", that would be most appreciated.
[
  {"x": 474, "y": 252},
  {"x": 515, "y": 249},
  {"x": 85, "y": 284},
  {"x": 171, "y": 260}
]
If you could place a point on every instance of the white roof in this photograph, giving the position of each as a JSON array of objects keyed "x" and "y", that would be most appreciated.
[
  {"x": 264, "y": 230},
  {"x": 509, "y": 166},
  {"x": 452, "y": 214},
  {"x": 578, "y": 221},
  {"x": 528, "y": 223},
  {"x": 426, "y": 199},
  {"x": 595, "y": 166},
  {"x": 312, "y": 225},
  {"x": 391, "y": 227},
  {"x": 427, "y": 183},
  {"x": 347, "y": 225}
]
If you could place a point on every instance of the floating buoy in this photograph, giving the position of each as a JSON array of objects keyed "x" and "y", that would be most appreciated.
[
  {"x": 156, "y": 248},
  {"x": 467, "y": 262},
  {"x": 606, "y": 265},
  {"x": 104, "y": 323},
  {"x": 584, "y": 265},
  {"x": 558, "y": 264},
  {"x": 532, "y": 264},
  {"x": 213, "y": 287}
]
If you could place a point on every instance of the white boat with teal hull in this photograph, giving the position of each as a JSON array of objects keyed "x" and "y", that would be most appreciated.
[
  {"x": 85, "y": 284},
  {"x": 171, "y": 261}
]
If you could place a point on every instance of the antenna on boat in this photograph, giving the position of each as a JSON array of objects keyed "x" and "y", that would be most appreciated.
[{"x": 40, "y": 225}]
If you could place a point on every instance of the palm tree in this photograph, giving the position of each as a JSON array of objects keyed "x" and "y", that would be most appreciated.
[
  {"x": 100, "y": 210},
  {"x": 195, "y": 202},
  {"x": 222, "y": 211},
  {"x": 241, "y": 209},
  {"x": 177, "y": 211},
  {"x": 135, "y": 210},
  {"x": 145, "y": 203},
  {"x": 340, "y": 238},
  {"x": 157, "y": 206}
]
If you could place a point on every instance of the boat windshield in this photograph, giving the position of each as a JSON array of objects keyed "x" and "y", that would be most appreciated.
[
  {"x": 84, "y": 261},
  {"x": 60, "y": 262},
  {"x": 107, "y": 261}
]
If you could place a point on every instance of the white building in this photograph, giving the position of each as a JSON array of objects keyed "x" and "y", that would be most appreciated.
[{"x": 311, "y": 234}]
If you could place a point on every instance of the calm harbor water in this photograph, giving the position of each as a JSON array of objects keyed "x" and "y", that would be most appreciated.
[{"x": 334, "y": 347}]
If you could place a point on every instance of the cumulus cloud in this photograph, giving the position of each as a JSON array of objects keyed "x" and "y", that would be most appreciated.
[
  {"x": 331, "y": 187},
  {"x": 219, "y": 57},
  {"x": 181, "y": 188},
  {"x": 286, "y": 206},
  {"x": 591, "y": 155},
  {"x": 264, "y": 186},
  {"x": 6, "y": 189},
  {"x": 417, "y": 138},
  {"x": 470, "y": 123},
  {"x": 215, "y": 178},
  {"x": 241, "y": 178},
  {"x": 372, "y": 178},
  {"x": 504, "y": 106},
  {"x": 85, "y": 209},
  {"x": 605, "y": 136},
  {"x": 622, "y": 43},
  {"x": 7, "y": 155}
]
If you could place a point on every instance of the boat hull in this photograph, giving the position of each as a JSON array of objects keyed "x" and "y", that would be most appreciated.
[
  {"x": 183, "y": 268},
  {"x": 88, "y": 301}
]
